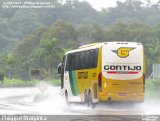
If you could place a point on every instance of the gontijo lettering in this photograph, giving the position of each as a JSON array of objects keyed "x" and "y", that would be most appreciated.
[{"x": 121, "y": 67}]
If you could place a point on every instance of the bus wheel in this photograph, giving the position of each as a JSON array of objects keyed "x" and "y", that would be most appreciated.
[
  {"x": 86, "y": 99},
  {"x": 66, "y": 98},
  {"x": 90, "y": 101}
]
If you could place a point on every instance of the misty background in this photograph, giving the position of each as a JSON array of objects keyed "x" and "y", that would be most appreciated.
[{"x": 36, "y": 39}]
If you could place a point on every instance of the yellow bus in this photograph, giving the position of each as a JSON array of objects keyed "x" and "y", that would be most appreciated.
[{"x": 107, "y": 71}]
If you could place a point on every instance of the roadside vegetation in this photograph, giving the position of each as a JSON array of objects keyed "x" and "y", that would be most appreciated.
[
  {"x": 152, "y": 89},
  {"x": 23, "y": 83}
]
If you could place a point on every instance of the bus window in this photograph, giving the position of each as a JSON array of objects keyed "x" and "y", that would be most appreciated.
[
  {"x": 68, "y": 62},
  {"x": 83, "y": 54},
  {"x": 77, "y": 62},
  {"x": 81, "y": 60},
  {"x": 87, "y": 60},
  {"x": 95, "y": 59},
  {"x": 91, "y": 59},
  {"x": 72, "y": 63}
]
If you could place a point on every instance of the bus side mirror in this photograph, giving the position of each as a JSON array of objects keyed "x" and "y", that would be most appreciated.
[{"x": 59, "y": 68}]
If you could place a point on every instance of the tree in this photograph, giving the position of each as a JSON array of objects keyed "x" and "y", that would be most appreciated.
[
  {"x": 10, "y": 62},
  {"x": 3, "y": 64},
  {"x": 50, "y": 52}
]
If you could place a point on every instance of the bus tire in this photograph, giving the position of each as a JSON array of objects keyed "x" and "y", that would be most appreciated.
[
  {"x": 90, "y": 101},
  {"x": 85, "y": 97},
  {"x": 66, "y": 98}
]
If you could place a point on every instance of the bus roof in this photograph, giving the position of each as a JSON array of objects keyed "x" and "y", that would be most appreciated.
[
  {"x": 86, "y": 47},
  {"x": 97, "y": 45}
]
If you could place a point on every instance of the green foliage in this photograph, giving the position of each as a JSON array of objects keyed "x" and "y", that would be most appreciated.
[
  {"x": 152, "y": 89},
  {"x": 15, "y": 24},
  {"x": 38, "y": 38},
  {"x": 18, "y": 83},
  {"x": 23, "y": 83},
  {"x": 10, "y": 59},
  {"x": 3, "y": 65},
  {"x": 50, "y": 53},
  {"x": 44, "y": 48},
  {"x": 152, "y": 84},
  {"x": 55, "y": 82}
]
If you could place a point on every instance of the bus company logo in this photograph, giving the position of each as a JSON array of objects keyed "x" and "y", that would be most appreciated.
[{"x": 123, "y": 52}]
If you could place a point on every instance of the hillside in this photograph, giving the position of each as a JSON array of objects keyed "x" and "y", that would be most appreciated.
[
  {"x": 15, "y": 24},
  {"x": 37, "y": 38}
]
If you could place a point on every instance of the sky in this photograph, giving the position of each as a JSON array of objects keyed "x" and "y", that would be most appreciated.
[{"x": 98, "y": 4}]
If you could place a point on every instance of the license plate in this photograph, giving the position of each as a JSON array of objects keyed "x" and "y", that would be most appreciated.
[{"x": 122, "y": 94}]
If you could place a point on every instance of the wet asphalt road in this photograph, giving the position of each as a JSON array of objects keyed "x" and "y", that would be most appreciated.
[{"x": 34, "y": 101}]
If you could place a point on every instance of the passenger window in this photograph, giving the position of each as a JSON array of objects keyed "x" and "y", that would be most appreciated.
[
  {"x": 68, "y": 62},
  {"x": 72, "y": 62},
  {"x": 95, "y": 59},
  {"x": 82, "y": 60},
  {"x": 91, "y": 59},
  {"x": 87, "y": 56},
  {"x": 77, "y": 61},
  {"x": 82, "y": 57}
]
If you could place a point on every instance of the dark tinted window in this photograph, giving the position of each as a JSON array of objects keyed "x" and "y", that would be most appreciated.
[
  {"x": 91, "y": 59},
  {"x": 86, "y": 59},
  {"x": 95, "y": 59},
  {"x": 82, "y": 60},
  {"x": 70, "y": 64},
  {"x": 77, "y": 62},
  {"x": 82, "y": 57}
]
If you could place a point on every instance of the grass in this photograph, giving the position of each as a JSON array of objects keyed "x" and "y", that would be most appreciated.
[
  {"x": 152, "y": 89},
  {"x": 22, "y": 83},
  {"x": 55, "y": 82}
]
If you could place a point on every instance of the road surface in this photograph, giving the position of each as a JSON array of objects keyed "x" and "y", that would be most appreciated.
[{"x": 47, "y": 101}]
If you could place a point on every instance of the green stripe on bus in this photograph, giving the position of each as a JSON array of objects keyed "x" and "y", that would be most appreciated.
[{"x": 73, "y": 82}]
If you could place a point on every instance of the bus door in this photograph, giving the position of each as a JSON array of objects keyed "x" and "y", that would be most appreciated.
[
  {"x": 80, "y": 72},
  {"x": 70, "y": 75}
]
